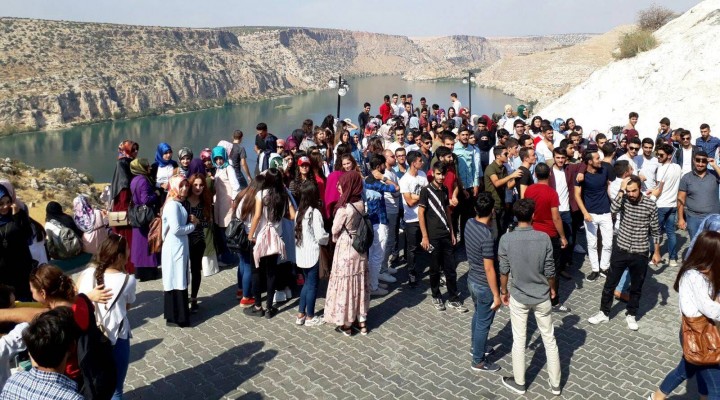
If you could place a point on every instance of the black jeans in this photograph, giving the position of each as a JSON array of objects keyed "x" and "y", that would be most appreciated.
[
  {"x": 464, "y": 211},
  {"x": 442, "y": 259},
  {"x": 637, "y": 265},
  {"x": 266, "y": 270},
  {"x": 566, "y": 254},
  {"x": 413, "y": 236},
  {"x": 557, "y": 257},
  {"x": 197, "y": 249}
]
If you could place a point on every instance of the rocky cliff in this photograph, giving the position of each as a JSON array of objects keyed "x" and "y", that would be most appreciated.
[
  {"x": 54, "y": 74},
  {"x": 678, "y": 79}
]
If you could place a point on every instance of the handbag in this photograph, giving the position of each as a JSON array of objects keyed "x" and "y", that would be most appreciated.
[
  {"x": 140, "y": 216},
  {"x": 118, "y": 218},
  {"x": 237, "y": 238},
  {"x": 700, "y": 341}
]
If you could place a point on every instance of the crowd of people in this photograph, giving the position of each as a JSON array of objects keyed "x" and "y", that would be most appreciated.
[{"x": 351, "y": 204}]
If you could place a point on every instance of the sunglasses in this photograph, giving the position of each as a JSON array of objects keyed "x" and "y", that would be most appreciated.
[
  {"x": 701, "y": 160},
  {"x": 633, "y": 148},
  {"x": 428, "y": 142},
  {"x": 686, "y": 138}
]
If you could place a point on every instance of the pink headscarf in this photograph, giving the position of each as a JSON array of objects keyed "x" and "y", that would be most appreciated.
[{"x": 174, "y": 187}]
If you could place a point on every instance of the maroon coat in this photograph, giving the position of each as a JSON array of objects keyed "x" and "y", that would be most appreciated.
[{"x": 571, "y": 170}]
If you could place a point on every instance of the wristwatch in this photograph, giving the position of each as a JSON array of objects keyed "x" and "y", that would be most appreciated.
[{"x": 621, "y": 192}]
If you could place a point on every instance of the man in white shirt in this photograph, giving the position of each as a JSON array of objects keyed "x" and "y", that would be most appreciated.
[
  {"x": 685, "y": 154},
  {"x": 397, "y": 109},
  {"x": 455, "y": 103},
  {"x": 410, "y": 185},
  {"x": 668, "y": 182},
  {"x": 545, "y": 146},
  {"x": 647, "y": 165},
  {"x": 633, "y": 148}
]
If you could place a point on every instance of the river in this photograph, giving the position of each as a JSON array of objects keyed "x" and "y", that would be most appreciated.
[{"x": 92, "y": 148}]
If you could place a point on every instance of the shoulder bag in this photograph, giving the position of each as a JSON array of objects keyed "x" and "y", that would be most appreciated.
[{"x": 700, "y": 341}]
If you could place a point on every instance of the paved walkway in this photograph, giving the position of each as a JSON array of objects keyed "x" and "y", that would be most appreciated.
[{"x": 412, "y": 351}]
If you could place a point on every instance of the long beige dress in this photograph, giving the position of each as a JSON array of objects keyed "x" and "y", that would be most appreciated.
[{"x": 348, "y": 293}]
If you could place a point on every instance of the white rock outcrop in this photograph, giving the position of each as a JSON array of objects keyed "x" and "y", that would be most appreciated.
[{"x": 679, "y": 79}]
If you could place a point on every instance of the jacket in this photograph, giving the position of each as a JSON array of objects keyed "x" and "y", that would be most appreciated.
[
  {"x": 678, "y": 156},
  {"x": 571, "y": 170}
]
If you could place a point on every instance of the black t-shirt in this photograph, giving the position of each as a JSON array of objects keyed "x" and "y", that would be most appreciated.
[
  {"x": 435, "y": 201},
  {"x": 526, "y": 178},
  {"x": 610, "y": 170}
]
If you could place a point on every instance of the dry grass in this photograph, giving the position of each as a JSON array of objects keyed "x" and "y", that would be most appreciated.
[{"x": 631, "y": 44}]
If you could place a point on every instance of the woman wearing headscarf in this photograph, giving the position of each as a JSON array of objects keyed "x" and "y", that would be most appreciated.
[
  {"x": 120, "y": 190},
  {"x": 92, "y": 222},
  {"x": 15, "y": 233},
  {"x": 522, "y": 112},
  {"x": 163, "y": 168},
  {"x": 206, "y": 157},
  {"x": 507, "y": 120},
  {"x": 176, "y": 252},
  {"x": 226, "y": 188},
  {"x": 143, "y": 193},
  {"x": 348, "y": 293},
  {"x": 185, "y": 157}
]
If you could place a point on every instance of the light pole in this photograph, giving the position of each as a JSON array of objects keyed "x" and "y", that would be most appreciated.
[
  {"x": 469, "y": 81},
  {"x": 343, "y": 88}
]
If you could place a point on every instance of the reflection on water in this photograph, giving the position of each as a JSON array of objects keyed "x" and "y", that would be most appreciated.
[{"x": 92, "y": 149}]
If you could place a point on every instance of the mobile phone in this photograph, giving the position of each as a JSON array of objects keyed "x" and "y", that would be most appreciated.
[{"x": 430, "y": 248}]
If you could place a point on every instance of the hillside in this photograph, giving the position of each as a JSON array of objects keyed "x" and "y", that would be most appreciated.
[
  {"x": 544, "y": 76},
  {"x": 54, "y": 74},
  {"x": 679, "y": 79}
]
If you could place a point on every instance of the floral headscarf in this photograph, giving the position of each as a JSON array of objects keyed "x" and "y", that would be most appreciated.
[
  {"x": 127, "y": 149},
  {"x": 174, "y": 187},
  {"x": 84, "y": 216}
]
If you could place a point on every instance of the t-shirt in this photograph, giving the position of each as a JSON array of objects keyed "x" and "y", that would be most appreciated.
[
  {"x": 479, "y": 247},
  {"x": 670, "y": 174},
  {"x": 118, "y": 314},
  {"x": 594, "y": 191},
  {"x": 526, "y": 179},
  {"x": 392, "y": 200},
  {"x": 648, "y": 168},
  {"x": 435, "y": 201},
  {"x": 545, "y": 199},
  {"x": 562, "y": 190},
  {"x": 543, "y": 149},
  {"x": 412, "y": 184},
  {"x": 498, "y": 193},
  {"x": 687, "y": 160},
  {"x": 701, "y": 194},
  {"x": 609, "y": 169}
]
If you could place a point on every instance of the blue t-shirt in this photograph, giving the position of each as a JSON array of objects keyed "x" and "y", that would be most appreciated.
[
  {"x": 594, "y": 191},
  {"x": 479, "y": 247}
]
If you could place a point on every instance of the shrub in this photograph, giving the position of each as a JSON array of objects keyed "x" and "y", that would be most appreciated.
[
  {"x": 636, "y": 42},
  {"x": 654, "y": 17}
]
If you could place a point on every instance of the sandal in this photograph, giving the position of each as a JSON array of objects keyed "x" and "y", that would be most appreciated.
[
  {"x": 361, "y": 329},
  {"x": 347, "y": 331}
]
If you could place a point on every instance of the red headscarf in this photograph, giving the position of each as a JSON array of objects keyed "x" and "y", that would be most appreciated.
[
  {"x": 489, "y": 123},
  {"x": 352, "y": 186},
  {"x": 127, "y": 149}
]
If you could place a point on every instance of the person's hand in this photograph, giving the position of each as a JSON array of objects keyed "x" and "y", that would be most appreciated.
[
  {"x": 505, "y": 298},
  {"x": 563, "y": 243},
  {"x": 453, "y": 240},
  {"x": 553, "y": 294},
  {"x": 100, "y": 294},
  {"x": 377, "y": 175},
  {"x": 194, "y": 220},
  {"x": 624, "y": 183},
  {"x": 425, "y": 243},
  {"x": 656, "y": 258},
  {"x": 497, "y": 302},
  {"x": 14, "y": 208},
  {"x": 580, "y": 177},
  {"x": 466, "y": 194},
  {"x": 164, "y": 186},
  {"x": 588, "y": 217},
  {"x": 711, "y": 162},
  {"x": 642, "y": 177},
  {"x": 682, "y": 224},
  {"x": 517, "y": 174},
  {"x": 454, "y": 202}
]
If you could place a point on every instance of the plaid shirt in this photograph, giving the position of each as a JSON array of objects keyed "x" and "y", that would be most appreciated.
[
  {"x": 375, "y": 200},
  {"x": 36, "y": 384}
]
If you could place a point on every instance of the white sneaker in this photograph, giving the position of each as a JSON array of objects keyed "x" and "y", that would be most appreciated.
[
  {"x": 384, "y": 277},
  {"x": 391, "y": 271},
  {"x": 314, "y": 321},
  {"x": 579, "y": 249},
  {"x": 378, "y": 292},
  {"x": 598, "y": 318},
  {"x": 631, "y": 323},
  {"x": 288, "y": 293},
  {"x": 673, "y": 263}
]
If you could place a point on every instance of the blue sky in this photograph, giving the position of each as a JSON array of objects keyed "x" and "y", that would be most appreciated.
[{"x": 410, "y": 18}]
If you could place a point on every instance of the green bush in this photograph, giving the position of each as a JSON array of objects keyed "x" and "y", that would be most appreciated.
[{"x": 631, "y": 44}]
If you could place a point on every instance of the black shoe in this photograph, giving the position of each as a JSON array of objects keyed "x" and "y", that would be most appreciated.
[
  {"x": 270, "y": 312},
  {"x": 509, "y": 383},
  {"x": 254, "y": 311},
  {"x": 489, "y": 351},
  {"x": 412, "y": 281},
  {"x": 438, "y": 304},
  {"x": 485, "y": 366},
  {"x": 592, "y": 277},
  {"x": 194, "y": 307},
  {"x": 604, "y": 273}
]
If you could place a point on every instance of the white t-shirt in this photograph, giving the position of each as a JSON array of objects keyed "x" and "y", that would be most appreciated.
[
  {"x": 118, "y": 314},
  {"x": 648, "y": 168},
  {"x": 412, "y": 184},
  {"x": 393, "y": 146},
  {"x": 543, "y": 149},
  {"x": 634, "y": 166},
  {"x": 392, "y": 200},
  {"x": 562, "y": 189},
  {"x": 687, "y": 160},
  {"x": 456, "y": 105},
  {"x": 670, "y": 174},
  {"x": 259, "y": 196}
]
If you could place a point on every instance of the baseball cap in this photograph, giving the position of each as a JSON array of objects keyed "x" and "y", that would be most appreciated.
[{"x": 303, "y": 161}]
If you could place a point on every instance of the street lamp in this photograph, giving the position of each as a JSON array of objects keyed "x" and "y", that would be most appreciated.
[
  {"x": 469, "y": 81},
  {"x": 342, "y": 87}
]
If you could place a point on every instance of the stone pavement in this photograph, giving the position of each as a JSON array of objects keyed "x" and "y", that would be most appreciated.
[{"x": 412, "y": 351}]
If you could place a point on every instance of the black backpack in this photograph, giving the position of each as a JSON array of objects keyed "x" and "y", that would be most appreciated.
[
  {"x": 94, "y": 352},
  {"x": 364, "y": 236}
]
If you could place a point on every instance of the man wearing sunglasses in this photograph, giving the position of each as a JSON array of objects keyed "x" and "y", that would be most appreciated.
[
  {"x": 633, "y": 149},
  {"x": 685, "y": 154},
  {"x": 698, "y": 194}
]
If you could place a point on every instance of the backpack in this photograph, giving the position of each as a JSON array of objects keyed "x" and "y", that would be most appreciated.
[
  {"x": 364, "y": 235},
  {"x": 98, "y": 376},
  {"x": 62, "y": 242},
  {"x": 268, "y": 243}
]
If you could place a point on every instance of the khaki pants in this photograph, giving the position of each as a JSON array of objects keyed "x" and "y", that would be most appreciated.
[{"x": 543, "y": 317}]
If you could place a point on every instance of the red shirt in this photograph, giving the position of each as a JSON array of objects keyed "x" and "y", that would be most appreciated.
[
  {"x": 545, "y": 198},
  {"x": 385, "y": 112}
]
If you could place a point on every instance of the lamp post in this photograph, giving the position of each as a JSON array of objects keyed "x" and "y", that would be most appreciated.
[
  {"x": 469, "y": 81},
  {"x": 343, "y": 88}
]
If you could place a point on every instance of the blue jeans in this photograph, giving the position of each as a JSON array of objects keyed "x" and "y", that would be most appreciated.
[
  {"x": 308, "y": 294},
  {"x": 708, "y": 379},
  {"x": 244, "y": 272},
  {"x": 668, "y": 218},
  {"x": 482, "y": 318},
  {"x": 693, "y": 224},
  {"x": 121, "y": 356},
  {"x": 624, "y": 283}
]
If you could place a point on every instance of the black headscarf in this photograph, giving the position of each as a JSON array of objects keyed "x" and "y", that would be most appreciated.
[
  {"x": 121, "y": 178},
  {"x": 54, "y": 211}
]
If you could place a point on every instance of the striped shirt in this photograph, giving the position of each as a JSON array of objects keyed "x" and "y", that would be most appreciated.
[{"x": 635, "y": 223}]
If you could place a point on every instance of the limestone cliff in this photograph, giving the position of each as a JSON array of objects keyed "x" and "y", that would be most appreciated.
[{"x": 54, "y": 74}]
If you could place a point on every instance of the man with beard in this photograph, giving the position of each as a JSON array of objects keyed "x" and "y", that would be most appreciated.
[{"x": 639, "y": 220}]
